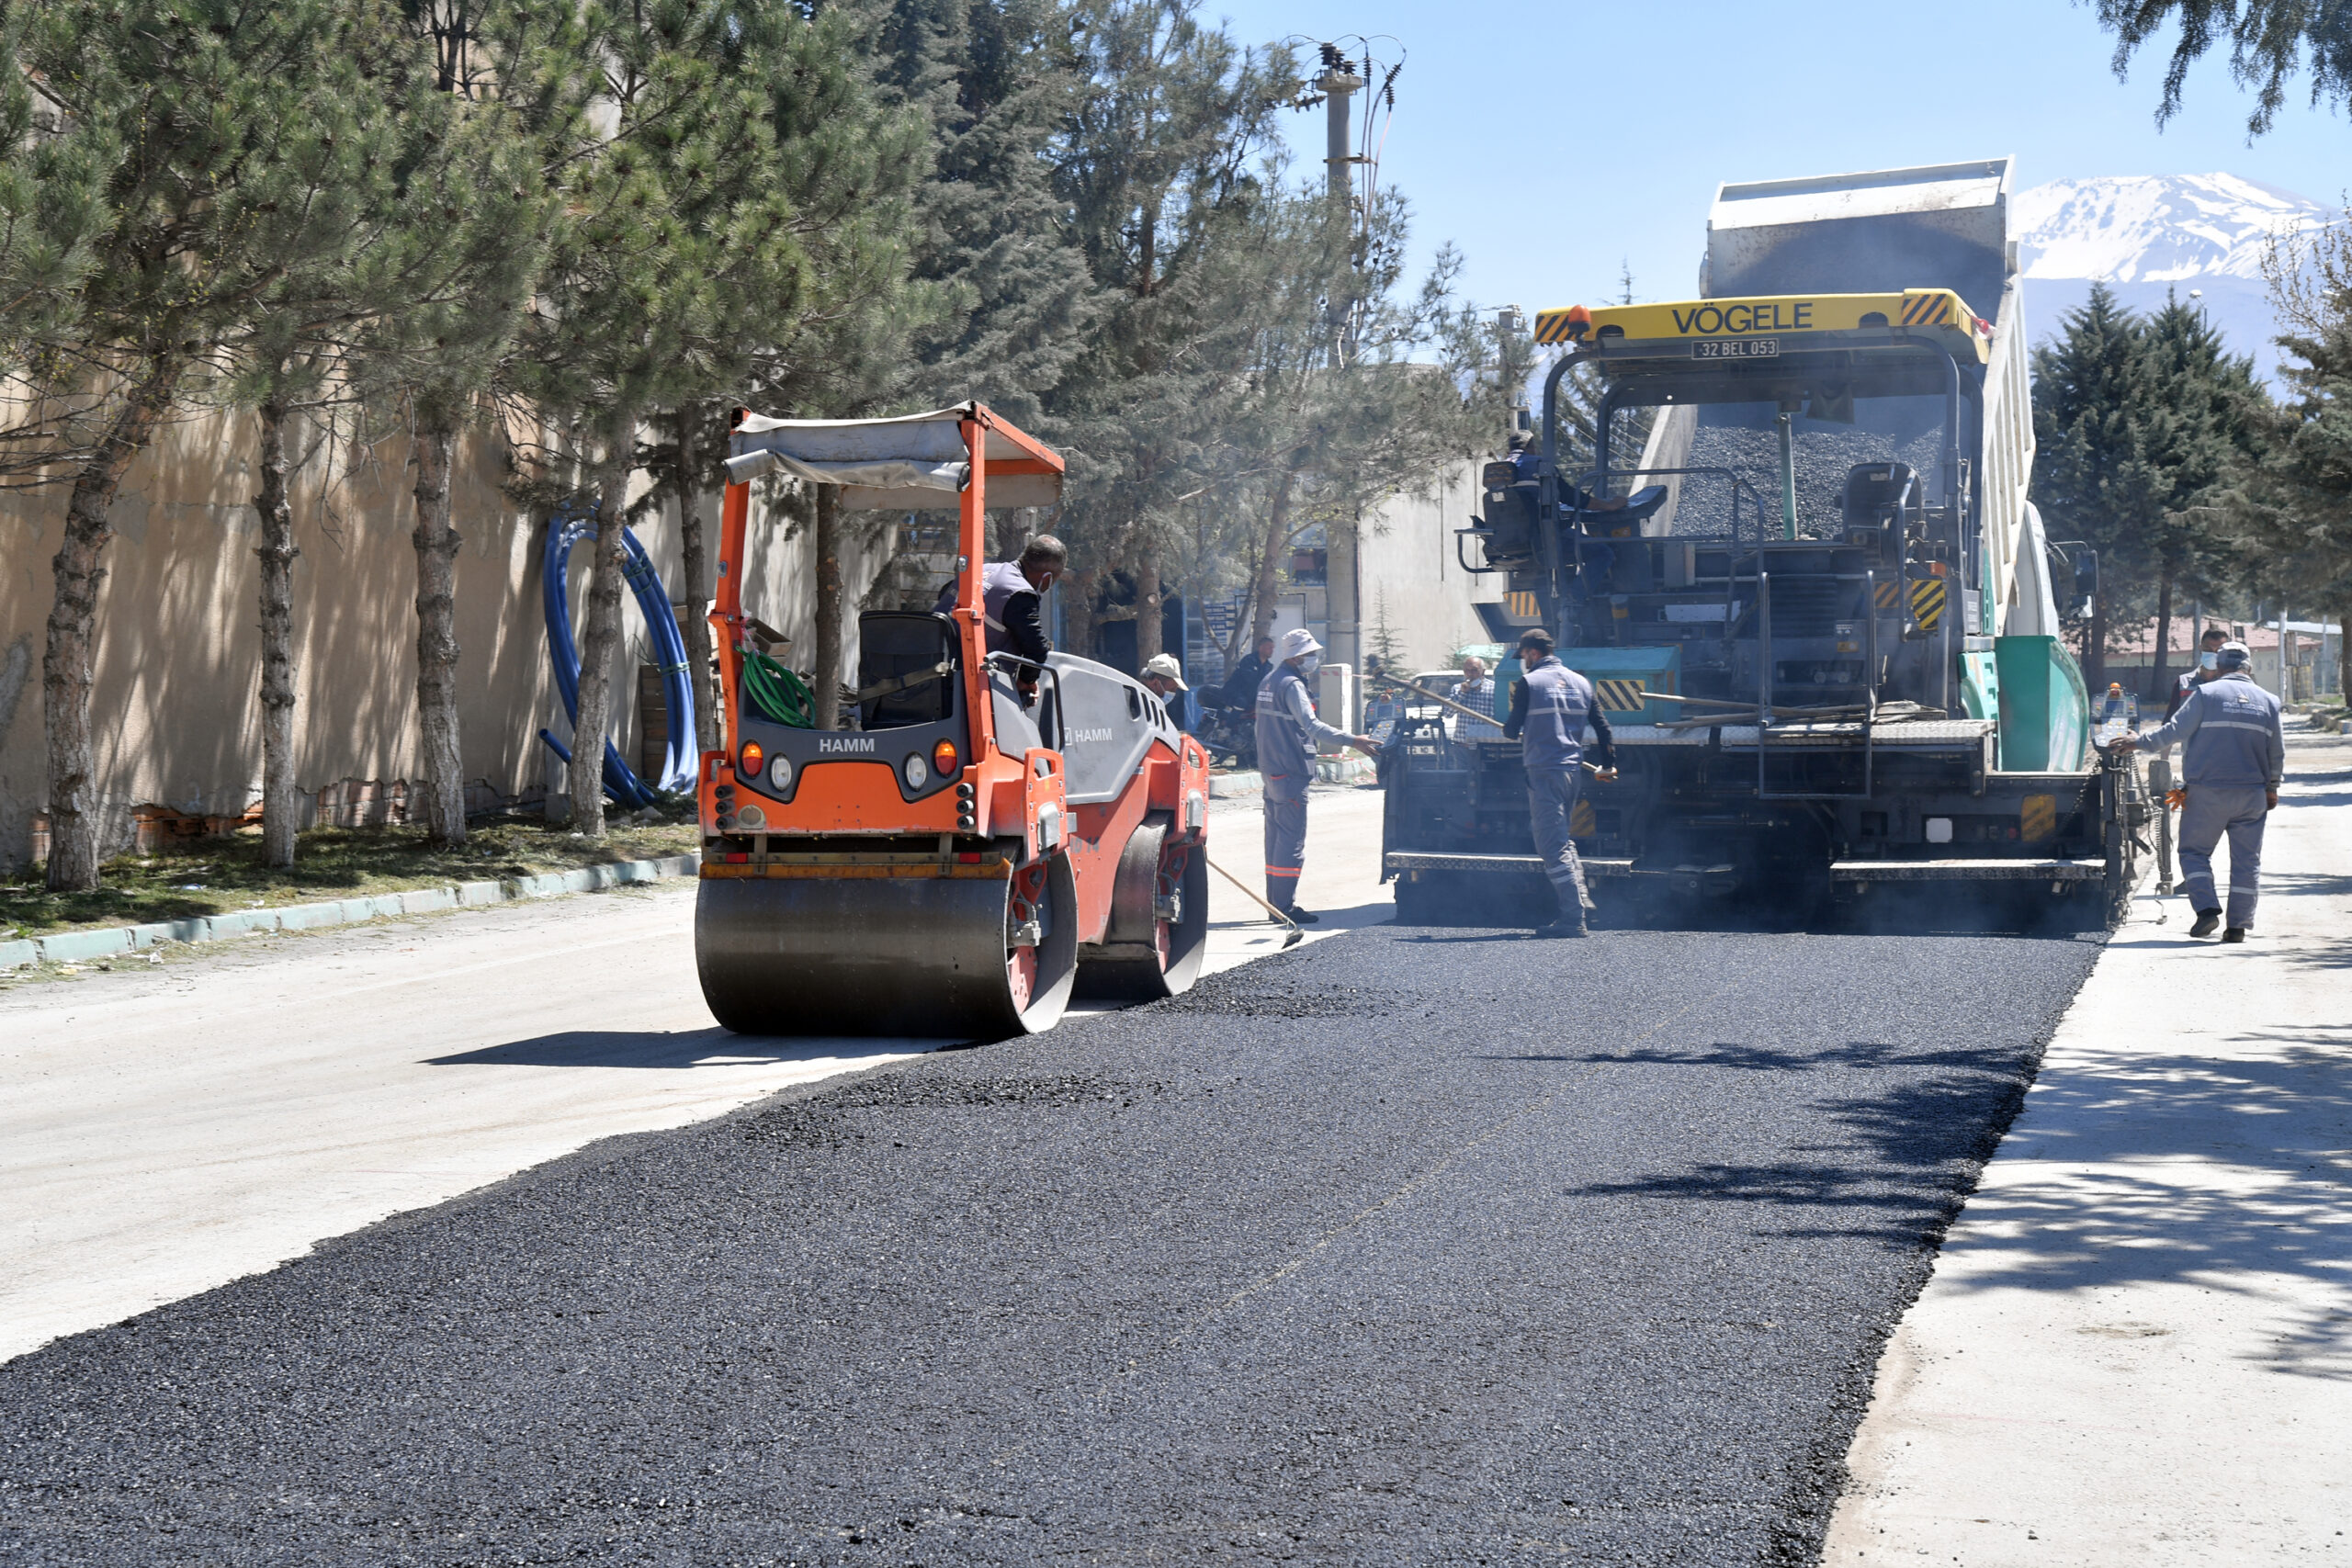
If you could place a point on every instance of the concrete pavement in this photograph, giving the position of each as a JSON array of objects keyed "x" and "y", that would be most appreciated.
[
  {"x": 166, "y": 1129},
  {"x": 2136, "y": 1347}
]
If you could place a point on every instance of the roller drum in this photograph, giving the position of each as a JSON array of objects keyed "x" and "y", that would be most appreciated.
[
  {"x": 928, "y": 956},
  {"x": 1144, "y": 955}
]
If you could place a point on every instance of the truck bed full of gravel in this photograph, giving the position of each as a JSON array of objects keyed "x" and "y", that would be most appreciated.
[{"x": 1406, "y": 1247}]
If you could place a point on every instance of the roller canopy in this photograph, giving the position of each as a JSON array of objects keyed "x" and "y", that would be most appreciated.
[{"x": 913, "y": 463}]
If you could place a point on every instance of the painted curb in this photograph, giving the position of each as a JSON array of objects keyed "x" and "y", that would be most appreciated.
[
  {"x": 76, "y": 947},
  {"x": 1236, "y": 787}
]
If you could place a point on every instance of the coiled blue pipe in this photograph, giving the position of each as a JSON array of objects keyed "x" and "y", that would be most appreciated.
[{"x": 679, "y": 765}]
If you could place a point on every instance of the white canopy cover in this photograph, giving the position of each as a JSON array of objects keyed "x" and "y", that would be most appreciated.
[{"x": 913, "y": 463}]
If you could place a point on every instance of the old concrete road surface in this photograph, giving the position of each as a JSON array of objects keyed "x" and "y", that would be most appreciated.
[{"x": 1407, "y": 1247}]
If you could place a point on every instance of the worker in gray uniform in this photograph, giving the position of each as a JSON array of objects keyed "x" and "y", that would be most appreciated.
[
  {"x": 1287, "y": 731},
  {"x": 1011, "y": 596},
  {"x": 2233, "y": 755},
  {"x": 1551, "y": 706}
]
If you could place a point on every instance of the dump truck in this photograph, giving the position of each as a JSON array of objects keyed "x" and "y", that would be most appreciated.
[
  {"x": 1790, "y": 543},
  {"x": 979, "y": 838}
]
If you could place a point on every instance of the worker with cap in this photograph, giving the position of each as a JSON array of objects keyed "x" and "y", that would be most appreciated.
[
  {"x": 2233, "y": 755},
  {"x": 2208, "y": 655},
  {"x": 1287, "y": 731},
  {"x": 1551, "y": 706},
  {"x": 1526, "y": 455},
  {"x": 1011, "y": 594},
  {"x": 1164, "y": 678}
]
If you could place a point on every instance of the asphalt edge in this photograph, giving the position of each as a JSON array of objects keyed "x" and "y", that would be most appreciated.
[{"x": 76, "y": 947}]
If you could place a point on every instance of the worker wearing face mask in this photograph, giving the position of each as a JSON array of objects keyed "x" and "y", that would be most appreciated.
[
  {"x": 2208, "y": 659},
  {"x": 1287, "y": 731}
]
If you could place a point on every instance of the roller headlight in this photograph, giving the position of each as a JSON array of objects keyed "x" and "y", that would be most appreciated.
[
  {"x": 780, "y": 772},
  {"x": 916, "y": 772}
]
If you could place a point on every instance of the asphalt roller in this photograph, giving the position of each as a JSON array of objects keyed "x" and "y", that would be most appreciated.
[{"x": 966, "y": 858}]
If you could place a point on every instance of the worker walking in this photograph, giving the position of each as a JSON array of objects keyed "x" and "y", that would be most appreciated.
[
  {"x": 2233, "y": 755},
  {"x": 1287, "y": 731},
  {"x": 1551, "y": 706}
]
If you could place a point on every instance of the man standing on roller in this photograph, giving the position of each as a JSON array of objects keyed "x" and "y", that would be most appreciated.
[
  {"x": 1287, "y": 731},
  {"x": 1550, "y": 708},
  {"x": 1010, "y": 592}
]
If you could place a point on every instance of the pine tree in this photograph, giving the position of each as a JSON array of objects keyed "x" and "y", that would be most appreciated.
[
  {"x": 219, "y": 104},
  {"x": 676, "y": 249},
  {"x": 2268, "y": 39},
  {"x": 451, "y": 286},
  {"x": 2204, "y": 410},
  {"x": 2092, "y": 477}
]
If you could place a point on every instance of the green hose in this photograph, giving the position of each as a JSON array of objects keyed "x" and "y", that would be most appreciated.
[{"x": 777, "y": 694}]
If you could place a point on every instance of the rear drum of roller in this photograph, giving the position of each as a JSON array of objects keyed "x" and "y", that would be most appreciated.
[
  {"x": 930, "y": 957},
  {"x": 1144, "y": 956}
]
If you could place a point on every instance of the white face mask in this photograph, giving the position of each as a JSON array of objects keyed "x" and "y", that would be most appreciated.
[
  {"x": 2209, "y": 661},
  {"x": 1310, "y": 662}
]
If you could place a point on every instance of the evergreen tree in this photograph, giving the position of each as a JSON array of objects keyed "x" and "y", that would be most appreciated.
[
  {"x": 54, "y": 177},
  {"x": 2093, "y": 479},
  {"x": 676, "y": 247},
  {"x": 2268, "y": 39},
  {"x": 452, "y": 282},
  {"x": 2204, "y": 410},
  {"x": 211, "y": 106}
]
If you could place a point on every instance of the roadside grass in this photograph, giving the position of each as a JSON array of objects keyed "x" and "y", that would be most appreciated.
[{"x": 219, "y": 876}]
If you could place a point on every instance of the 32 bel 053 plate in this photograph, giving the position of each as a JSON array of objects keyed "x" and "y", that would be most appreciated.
[{"x": 1736, "y": 348}]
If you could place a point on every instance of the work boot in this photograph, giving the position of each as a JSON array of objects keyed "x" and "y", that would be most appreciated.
[
  {"x": 2208, "y": 922},
  {"x": 1561, "y": 927},
  {"x": 2235, "y": 934},
  {"x": 1302, "y": 917}
]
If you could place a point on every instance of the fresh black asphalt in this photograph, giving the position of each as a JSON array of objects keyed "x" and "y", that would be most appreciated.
[{"x": 1406, "y": 1247}]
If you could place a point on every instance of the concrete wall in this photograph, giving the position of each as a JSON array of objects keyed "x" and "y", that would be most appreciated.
[
  {"x": 1404, "y": 559},
  {"x": 178, "y": 649}
]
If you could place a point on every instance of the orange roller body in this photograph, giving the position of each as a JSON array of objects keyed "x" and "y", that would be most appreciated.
[{"x": 960, "y": 858}]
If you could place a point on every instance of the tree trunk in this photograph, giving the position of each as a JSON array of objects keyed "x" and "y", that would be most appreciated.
[
  {"x": 444, "y": 784},
  {"x": 826, "y": 672},
  {"x": 1261, "y": 615},
  {"x": 1148, "y": 607},
  {"x": 65, "y": 665},
  {"x": 1078, "y": 619},
  {"x": 278, "y": 799},
  {"x": 601, "y": 634},
  {"x": 2095, "y": 650},
  {"x": 2155, "y": 693},
  {"x": 694, "y": 544}
]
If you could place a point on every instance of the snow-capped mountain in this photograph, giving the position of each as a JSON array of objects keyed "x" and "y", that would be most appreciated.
[{"x": 2148, "y": 235}]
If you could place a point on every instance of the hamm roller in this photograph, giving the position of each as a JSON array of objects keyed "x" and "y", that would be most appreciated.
[{"x": 964, "y": 858}]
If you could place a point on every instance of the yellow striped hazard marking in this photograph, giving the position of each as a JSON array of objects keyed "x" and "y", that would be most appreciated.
[
  {"x": 2038, "y": 817},
  {"x": 1926, "y": 309},
  {"x": 1521, "y": 605},
  {"x": 1890, "y": 594},
  {"x": 1582, "y": 823},
  {"x": 1621, "y": 696},
  {"x": 1928, "y": 601}
]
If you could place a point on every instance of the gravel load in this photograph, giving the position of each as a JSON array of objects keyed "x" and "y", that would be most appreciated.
[
  {"x": 1745, "y": 440},
  {"x": 1406, "y": 1247}
]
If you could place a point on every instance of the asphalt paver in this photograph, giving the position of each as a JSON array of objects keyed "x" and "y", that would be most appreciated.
[{"x": 1410, "y": 1247}]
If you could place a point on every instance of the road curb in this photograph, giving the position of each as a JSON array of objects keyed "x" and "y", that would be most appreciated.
[
  {"x": 1236, "y": 787},
  {"x": 77, "y": 947}
]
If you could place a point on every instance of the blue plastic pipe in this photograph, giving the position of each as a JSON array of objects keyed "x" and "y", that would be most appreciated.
[{"x": 679, "y": 764}]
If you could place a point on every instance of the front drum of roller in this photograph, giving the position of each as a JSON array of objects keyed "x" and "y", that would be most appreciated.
[
  {"x": 925, "y": 956},
  {"x": 1144, "y": 955}
]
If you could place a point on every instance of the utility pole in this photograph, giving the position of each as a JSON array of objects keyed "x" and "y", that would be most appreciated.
[
  {"x": 1338, "y": 86},
  {"x": 1341, "y": 614}
]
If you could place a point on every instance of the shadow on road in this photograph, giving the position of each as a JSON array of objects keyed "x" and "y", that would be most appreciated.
[{"x": 712, "y": 1047}]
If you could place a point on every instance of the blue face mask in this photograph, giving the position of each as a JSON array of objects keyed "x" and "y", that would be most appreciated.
[{"x": 2209, "y": 661}]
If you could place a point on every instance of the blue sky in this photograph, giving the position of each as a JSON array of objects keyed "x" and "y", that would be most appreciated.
[{"x": 1550, "y": 142}]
